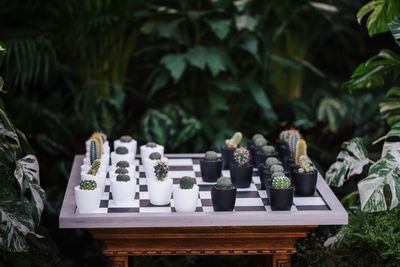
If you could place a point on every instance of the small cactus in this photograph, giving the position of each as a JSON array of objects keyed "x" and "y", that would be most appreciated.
[
  {"x": 234, "y": 141},
  {"x": 268, "y": 149},
  {"x": 276, "y": 174},
  {"x": 94, "y": 168},
  {"x": 271, "y": 161},
  {"x": 87, "y": 185},
  {"x": 186, "y": 182},
  {"x": 224, "y": 182},
  {"x": 98, "y": 136},
  {"x": 122, "y": 164},
  {"x": 155, "y": 156},
  {"x": 123, "y": 178},
  {"x": 151, "y": 144},
  {"x": 256, "y": 136},
  {"x": 161, "y": 170},
  {"x": 125, "y": 139},
  {"x": 294, "y": 138},
  {"x": 241, "y": 156},
  {"x": 121, "y": 171},
  {"x": 281, "y": 182},
  {"x": 301, "y": 150},
  {"x": 121, "y": 150},
  {"x": 276, "y": 168},
  {"x": 94, "y": 152},
  {"x": 260, "y": 142},
  {"x": 211, "y": 155},
  {"x": 304, "y": 165}
]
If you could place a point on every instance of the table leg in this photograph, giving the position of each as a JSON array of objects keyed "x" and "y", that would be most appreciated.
[
  {"x": 281, "y": 260},
  {"x": 118, "y": 261}
]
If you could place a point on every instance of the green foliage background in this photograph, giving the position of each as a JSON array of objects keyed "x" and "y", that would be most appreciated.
[{"x": 186, "y": 74}]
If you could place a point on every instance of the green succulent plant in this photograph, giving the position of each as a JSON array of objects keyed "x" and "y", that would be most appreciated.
[
  {"x": 151, "y": 144},
  {"x": 234, "y": 141},
  {"x": 304, "y": 165},
  {"x": 161, "y": 170},
  {"x": 123, "y": 164},
  {"x": 87, "y": 185},
  {"x": 94, "y": 150},
  {"x": 281, "y": 182},
  {"x": 123, "y": 178},
  {"x": 224, "y": 182},
  {"x": 268, "y": 149},
  {"x": 186, "y": 182},
  {"x": 271, "y": 161},
  {"x": 256, "y": 136},
  {"x": 276, "y": 168},
  {"x": 260, "y": 142},
  {"x": 211, "y": 155},
  {"x": 121, "y": 171},
  {"x": 276, "y": 174},
  {"x": 121, "y": 150},
  {"x": 125, "y": 139},
  {"x": 94, "y": 168},
  {"x": 241, "y": 156},
  {"x": 155, "y": 156}
]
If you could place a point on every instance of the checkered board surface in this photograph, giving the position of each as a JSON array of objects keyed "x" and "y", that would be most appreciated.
[{"x": 247, "y": 199}]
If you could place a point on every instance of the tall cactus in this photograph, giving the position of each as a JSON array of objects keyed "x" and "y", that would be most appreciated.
[
  {"x": 294, "y": 137},
  {"x": 234, "y": 141},
  {"x": 94, "y": 150},
  {"x": 99, "y": 138},
  {"x": 301, "y": 150}
]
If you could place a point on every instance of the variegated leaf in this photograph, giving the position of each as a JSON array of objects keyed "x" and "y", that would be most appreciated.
[{"x": 350, "y": 161}]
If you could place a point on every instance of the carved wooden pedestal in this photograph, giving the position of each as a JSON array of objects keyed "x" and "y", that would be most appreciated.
[{"x": 277, "y": 241}]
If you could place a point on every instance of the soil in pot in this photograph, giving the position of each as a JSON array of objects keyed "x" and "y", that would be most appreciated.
[
  {"x": 223, "y": 199},
  {"x": 210, "y": 170},
  {"x": 305, "y": 183},
  {"x": 241, "y": 174},
  {"x": 227, "y": 156},
  {"x": 280, "y": 199}
]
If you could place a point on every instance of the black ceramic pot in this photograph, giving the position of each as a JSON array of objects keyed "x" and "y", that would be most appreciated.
[
  {"x": 252, "y": 150},
  {"x": 223, "y": 199},
  {"x": 304, "y": 183},
  {"x": 227, "y": 156},
  {"x": 286, "y": 163},
  {"x": 210, "y": 170},
  {"x": 264, "y": 173},
  {"x": 261, "y": 157},
  {"x": 280, "y": 199},
  {"x": 283, "y": 149},
  {"x": 241, "y": 174}
]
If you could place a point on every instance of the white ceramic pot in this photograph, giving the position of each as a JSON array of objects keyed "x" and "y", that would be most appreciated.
[
  {"x": 87, "y": 201},
  {"x": 131, "y": 172},
  {"x": 129, "y": 157},
  {"x": 159, "y": 191},
  {"x": 146, "y": 151},
  {"x": 148, "y": 165},
  {"x": 185, "y": 200},
  {"x": 131, "y": 146},
  {"x": 99, "y": 178},
  {"x": 123, "y": 192}
]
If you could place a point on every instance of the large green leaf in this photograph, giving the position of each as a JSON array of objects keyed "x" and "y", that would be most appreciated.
[
  {"x": 246, "y": 22},
  {"x": 220, "y": 27},
  {"x": 382, "y": 12},
  {"x": 390, "y": 107},
  {"x": 159, "y": 82},
  {"x": 216, "y": 60},
  {"x": 395, "y": 29},
  {"x": 333, "y": 111},
  {"x": 386, "y": 171},
  {"x": 350, "y": 161},
  {"x": 7, "y": 129},
  {"x": 175, "y": 63},
  {"x": 167, "y": 29},
  {"x": 261, "y": 98},
  {"x": 196, "y": 56}
]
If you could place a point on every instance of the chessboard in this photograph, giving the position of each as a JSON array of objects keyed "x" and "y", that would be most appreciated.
[{"x": 251, "y": 199}]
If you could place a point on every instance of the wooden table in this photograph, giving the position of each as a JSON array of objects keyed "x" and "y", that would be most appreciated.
[{"x": 201, "y": 233}]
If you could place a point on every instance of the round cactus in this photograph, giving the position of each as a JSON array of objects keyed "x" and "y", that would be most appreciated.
[
  {"x": 161, "y": 170},
  {"x": 123, "y": 178},
  {"x": 304, "y": 165},
  {"x": 151, "y": 144},
  {"x": 94, "y": 168},
  {"x": 234, "y": 141},
  {"x": 281, "y": 182},
  {"x": 224, "y": 182},
  {"x": 276, "y": 168},
  {"x": 122, "y": 164},
  {"x": 186, "y": 182},
  {"x": 268, "y": 149},
  {"x": 276, "y": 174},
  {"x": 211, "y": 155},
  {"x": 256, "y": 136},
  {"x": 88, "y": 185},
  {"x": 125, "y": 139},
  {"x": 155, "y": 156},
  {"x": 121, "y": 171},
  {"x": 121, "y": 150},
  {"x": 271, "y": 161},
  {"x": 260, "y": 142},
  {"x": 241, "y": 155}
]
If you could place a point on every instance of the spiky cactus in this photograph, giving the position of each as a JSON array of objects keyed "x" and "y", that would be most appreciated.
[
  {"x": 161, "y": 170},
  {"x": 224, "y": 182},
  {"x": 94, "y": 168},
  {"x": 268, "y": 149},
  {"x": 304, "y": 165},
  {"x": 260, "y": 142},
  {"x": 121, "y": 150},
  {"x": 294, "y": 138},
  {"x": 122, "y": 164},
  {"x": 271, "y": 161},
  {"x": 94, "y": 150},
  {"x": 155, "y": 156},
  {"x": 151, "y": 144},
  {"x": 125, "y": 139},
  {"x": 87, "y": 185},
  {"x": 276, "y": 168},
  {"x": 301, "y": 150},
  {"x": 276, "y": 174},
  {"x": 97, "y": 136},
  {"x": 256, "y": 136},
  {"x": 281, "y": 182},
  {"x": 103, "y": 136},
  {"x": 241, "y": 156},
  {"x": 234, "y": 141},
  {"x": 284, "y": 135},
  {"x": 121, "y": 171},
  {"x": 123, "y": 178},
  {"x": 186, "y": 182},
  {"x": 211, "y": 155}
]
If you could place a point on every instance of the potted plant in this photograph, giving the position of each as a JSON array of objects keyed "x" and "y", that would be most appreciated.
[
  {"x": 150, "y": 147},
  {"x": 262, "y": 154},
  {"x": 160, "y": 187},
  {"x": 122, "y": 165},
  {"x": 305, "y": 178},
  {"x": 265, "y": 170},
  {"x": 186, "y": 195},
  {"x": 123, "y": 189},
  {"x": 281, "y": 193},
  {"x": 223, "y": 195},
  {"x": 122, "y": 154},
  {"x": 228, "y": 149},
  {"x": 87, "y": 196},
  {"x": 149, "y": 163},
  {"x": 93, "y": 174},
  {"x": 102, "y": 139},
  {"x": 241, "y": 170},
  {"x": 252, "y": 148},
  {"x": 96, "y": 152},
  {"x": 127, "y": 142},
  {"x": 210, "y": 167}
]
